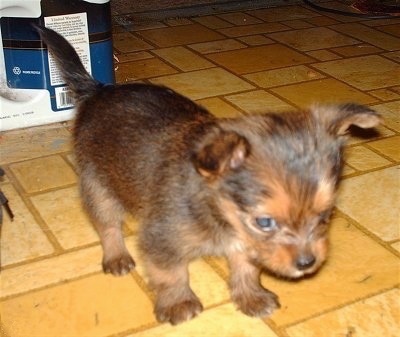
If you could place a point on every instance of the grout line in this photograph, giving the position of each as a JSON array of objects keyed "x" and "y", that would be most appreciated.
[
  {"x": 33, "y": 158},
  {"x": 49, "y": 286},
  {"x": 361, "y": 173},
  {"x": 55, "y": 254},
  {"x": 25, "y": 197},
  {"x": 371, "y": 148}
]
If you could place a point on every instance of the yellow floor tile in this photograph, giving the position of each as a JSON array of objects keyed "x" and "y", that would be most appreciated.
[
  {"x": 373, "y": 71},
  {"x": 62, "y": 211},
  {"x": 298, "y": 24},
  {"x": 207, "y": 284},
  {"x": 41, "y": 174},
  {"x": 219, "y": 264},
  {"x": 127, "y": 57},
  {"x": 50, "y": 271},
  {"x": 142, "y": 25},
  {"x": 283, "y": 13},
  {"x": 396, "y": 246},
  {"x": 375, "y": 316},
  {"x": 323, "y": 55},
  {"x": 204, "y": 83},
  {"x": 178, "y": 35},
  {"x": 217, "y": 46},
  {"x": 239, "y": 19},
  {"x": 117, "y": 29},
  {"x": 347, "y": 170},
  {"x": 34, "y": 142},
  {"x": 62, "y": 268},
  {"x": 126, "y": 43},
  {"x": 322, "y": 91},
  {"x": 21, "y": 239},
  {"x": 396, "y": 89},
  {"x": 261, "y": 28},
  {"x": 389, "y": 147},
  {"x": 131, "y": 223},
  {"x": 95, "y": 306},
  {"x": 321, "y": 21},
  {"x": 222, "y": 321},
  {"x": 393, "y": 29},
  {"x": 357, "y": 50},
  {"x": 71, "y": 159},
  {"x": 378, "y": 22},
  {"x": 212, "y": 22},
  {"x": 395, "y": 55},
  {"x": 259, "y": 58},
  {"x": 142, "y": 69},
  {"x": 256, "y": 40},
  {"x": 284, "y": 76},
  {"x": 385, "y": 94},
  {"x": 313, "y": 38},
  {"x": 366, "y": 199},
  {"x": 218, "y": 107},
  {"x": 367, "y": 34},
  {"x": 178, "y": 21},
  {"x": 183, "y": 58},
  {"x": 363, "y": 159},
  {"x": 390, "y": 114},
  {"x": 341, "y": 6},
  {"x": 4, "y": 180},
  {"x": 259, "y": 101}
]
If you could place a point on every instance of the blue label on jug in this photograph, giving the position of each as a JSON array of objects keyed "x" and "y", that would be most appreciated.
[{"x": 24, "y": 68}]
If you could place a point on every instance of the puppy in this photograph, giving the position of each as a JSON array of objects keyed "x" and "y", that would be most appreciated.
[{"x": 258, "y": 190}]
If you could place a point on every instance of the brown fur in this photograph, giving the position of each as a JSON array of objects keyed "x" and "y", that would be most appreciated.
[{"x": 256, "y": 189}]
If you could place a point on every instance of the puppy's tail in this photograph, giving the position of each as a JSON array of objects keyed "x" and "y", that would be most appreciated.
[{"x": 81, "y": 83}]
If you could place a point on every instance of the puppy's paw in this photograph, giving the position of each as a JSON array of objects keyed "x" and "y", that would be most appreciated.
[
  {"x": 179, "y": 312},
  {"x": 259, "y": 303},
  {"x": 118, "y": 265}
]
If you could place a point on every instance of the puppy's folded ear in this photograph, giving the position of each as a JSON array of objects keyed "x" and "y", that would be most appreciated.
[
  {"x": 339, "y": 118},
  {"x": 219, "y": 152}
]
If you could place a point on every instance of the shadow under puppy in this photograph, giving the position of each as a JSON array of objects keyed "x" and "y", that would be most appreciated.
[{"x": 256, "y": 189}]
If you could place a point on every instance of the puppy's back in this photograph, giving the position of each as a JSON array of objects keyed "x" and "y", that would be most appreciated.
[
  {"x": 139, "y": 138},
  {"x": 135, "y": 137}
]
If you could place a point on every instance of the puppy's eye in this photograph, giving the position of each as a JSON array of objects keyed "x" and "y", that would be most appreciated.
[{"x": 266, "y": 224}]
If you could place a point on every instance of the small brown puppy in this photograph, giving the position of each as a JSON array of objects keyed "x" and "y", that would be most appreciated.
[{"x": 258, "y": 189}]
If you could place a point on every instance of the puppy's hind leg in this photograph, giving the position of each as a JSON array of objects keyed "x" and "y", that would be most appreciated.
[{"x": 107, "y": 214}]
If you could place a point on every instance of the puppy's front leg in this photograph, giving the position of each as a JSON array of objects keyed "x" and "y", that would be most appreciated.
[
  {"x": 246, "y": 291},
  {"x": 175, "y": 301}
]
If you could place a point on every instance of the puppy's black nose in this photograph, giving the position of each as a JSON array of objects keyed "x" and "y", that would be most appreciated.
[{"x": 305, "y": 261}]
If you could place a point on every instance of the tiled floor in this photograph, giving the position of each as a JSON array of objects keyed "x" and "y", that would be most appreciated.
[{"x": 232, "y": 63}]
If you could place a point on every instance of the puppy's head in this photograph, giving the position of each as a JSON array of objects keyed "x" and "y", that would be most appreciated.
[{"x": 274, "y": 179}]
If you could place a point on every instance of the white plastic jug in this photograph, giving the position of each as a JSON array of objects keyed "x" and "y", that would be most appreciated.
[{"x": 31, "y": 89}]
